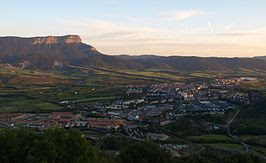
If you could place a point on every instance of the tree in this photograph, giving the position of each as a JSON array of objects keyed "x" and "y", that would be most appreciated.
[
  {"x": 42, "y": 151},
  {"x": 8, "y": 146},
  {"x": 53, "y": 146},
  {"x": 144, "y": 153}
]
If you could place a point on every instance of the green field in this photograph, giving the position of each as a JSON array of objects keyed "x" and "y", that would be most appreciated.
[
  {"x": 227, "y": 146},
  {"x": 230, "y": 146},
  {"x": 260, "y": 149},
  {"x": 25, "y": 104},
  {"x": 80, "y": 85},
  {"x": 210, "y": 138},
  {"x": 95, "y": 99},
  {"x": 47, "y": 106},
  {"x": 252, "y": 139}
]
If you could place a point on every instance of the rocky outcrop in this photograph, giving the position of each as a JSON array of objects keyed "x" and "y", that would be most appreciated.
[{"x": 69, "y": 39}]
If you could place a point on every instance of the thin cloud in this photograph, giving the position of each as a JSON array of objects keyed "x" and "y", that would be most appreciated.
[
  {"x": 211, "y": 27},
  {"x": 238, "y": 34},
  {"x": 182, "y": 14},
  {"x": 229, "y": 26},
  {"x": 113, "y": 37}
]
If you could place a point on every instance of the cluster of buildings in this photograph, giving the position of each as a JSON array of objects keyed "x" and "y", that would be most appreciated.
[
  {"x": 141, "y": 106},
  {"x": 213, "y": 107},
  {"x": 165, "y": 102},
  {"x": 57, "y": 119},
  {"x": 176, "y": 150},
  {"x": 232, "y": 82}
]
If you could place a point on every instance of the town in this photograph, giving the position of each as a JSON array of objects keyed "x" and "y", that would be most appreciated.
[{"x": 141, "y": 107}]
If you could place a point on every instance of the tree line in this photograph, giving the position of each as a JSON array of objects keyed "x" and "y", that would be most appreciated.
[{"x": 70, "y": 146}]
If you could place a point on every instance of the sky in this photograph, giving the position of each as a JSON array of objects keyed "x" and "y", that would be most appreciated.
[{"x": 225, "y": 28}]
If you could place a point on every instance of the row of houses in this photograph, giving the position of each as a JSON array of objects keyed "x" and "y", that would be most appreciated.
[
  {"x": 220, "y": 106},
  {"x": 58, "y": 119}
]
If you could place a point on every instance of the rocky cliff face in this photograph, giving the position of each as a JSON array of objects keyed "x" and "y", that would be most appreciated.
[
  {"x": 45, "y": 52},
  {"x": 53, "y": 52},
  {"x": 69, "y": 39}
]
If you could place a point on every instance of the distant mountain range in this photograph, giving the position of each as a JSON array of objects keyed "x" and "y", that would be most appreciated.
[
  {"x": 59, "y": 52},
  {"x": 261, "y": 57}
]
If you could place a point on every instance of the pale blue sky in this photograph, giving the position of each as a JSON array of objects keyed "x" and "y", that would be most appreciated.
[{"x": 163, "y": 27}]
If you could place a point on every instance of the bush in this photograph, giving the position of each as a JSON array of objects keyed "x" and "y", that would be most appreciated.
[
  {"x": 53, "y": 146},
  {"x": 144, "y": 153}
]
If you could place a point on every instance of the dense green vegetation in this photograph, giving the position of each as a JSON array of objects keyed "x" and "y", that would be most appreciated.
[
  {"x": 214, "y": 156},
  {"x": 58, "y": 145},
  {"x": 69, "y": 146},
  {"x": 55, "y": 145},
  {"x": 251, "y": 119},
  {"x": 182, "y": 127},
  {"x": 144, "y": 153}
]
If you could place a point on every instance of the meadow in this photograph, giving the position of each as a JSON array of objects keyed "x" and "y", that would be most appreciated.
[
  {"x": 210, "y": 138},
  {"x": 18, "y": 103}
]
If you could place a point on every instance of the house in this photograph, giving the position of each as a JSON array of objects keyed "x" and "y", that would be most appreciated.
[
  {"x": 63, "y": 119},
  {"x": 134, "y": 115},
  {"x": 106, "y": 123}
]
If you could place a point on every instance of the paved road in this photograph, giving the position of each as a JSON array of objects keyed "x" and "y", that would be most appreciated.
[
  {"x": 245, "y": 146},
  {"x": 101, "y": 141}
]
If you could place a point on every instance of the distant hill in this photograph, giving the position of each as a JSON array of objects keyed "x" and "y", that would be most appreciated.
[
  {"x": 61, "y": 51},
  {"x": 196, "y": 63},
  {"x": 51, "y": 52},
  {"x": 261, "y": 57}
]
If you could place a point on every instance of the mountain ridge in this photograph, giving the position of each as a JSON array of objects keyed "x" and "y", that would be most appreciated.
[
  {"x": 260, "y": 57},
  {"x": 53, "y": 52}
]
